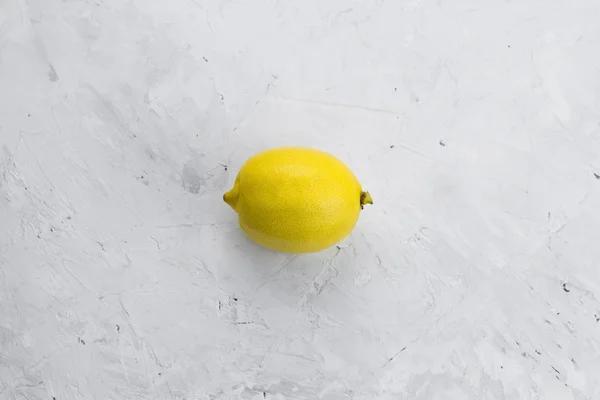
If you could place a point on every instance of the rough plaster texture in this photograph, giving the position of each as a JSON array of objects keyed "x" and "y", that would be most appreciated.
[{"x": 475, "y": 125}]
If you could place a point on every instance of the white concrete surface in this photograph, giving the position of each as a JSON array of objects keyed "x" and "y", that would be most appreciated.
[{"x": 475, "y": 125}]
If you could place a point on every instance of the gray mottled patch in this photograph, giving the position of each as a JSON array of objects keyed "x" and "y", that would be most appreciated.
[
  {"x": 200, "y": 175},
  {"x": 192, "y": 180}
]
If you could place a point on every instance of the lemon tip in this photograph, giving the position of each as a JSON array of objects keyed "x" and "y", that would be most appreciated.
[{"x": 231, "y": 198}]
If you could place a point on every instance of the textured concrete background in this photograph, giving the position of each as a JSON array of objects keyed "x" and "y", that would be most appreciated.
[{"x": 475, "y": 126}]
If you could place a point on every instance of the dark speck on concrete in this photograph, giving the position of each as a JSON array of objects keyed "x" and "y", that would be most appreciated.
[
  {"x": 392, "y": 146},
  {"x": 564, "y": 286},
  {"x": 596, "y": 176},
  {"x": 442, "y": 143},
  {"x": 555, "y": 369}
]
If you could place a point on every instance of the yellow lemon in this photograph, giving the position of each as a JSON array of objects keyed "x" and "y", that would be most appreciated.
[{"x": 296, "y": 200}]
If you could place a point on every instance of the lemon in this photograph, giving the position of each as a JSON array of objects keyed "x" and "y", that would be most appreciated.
[{"x": 296, "y": 199}]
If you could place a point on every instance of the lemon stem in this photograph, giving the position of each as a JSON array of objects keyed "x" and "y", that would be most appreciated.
[{"x": 365, "y": 198}]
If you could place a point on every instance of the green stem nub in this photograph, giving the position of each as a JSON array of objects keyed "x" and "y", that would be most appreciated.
[{"x": 365, "y": 198}]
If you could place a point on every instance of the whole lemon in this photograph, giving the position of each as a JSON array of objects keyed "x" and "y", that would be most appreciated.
[{"x": 296, "y": 200}]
